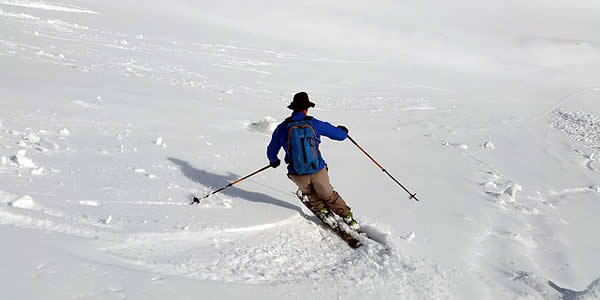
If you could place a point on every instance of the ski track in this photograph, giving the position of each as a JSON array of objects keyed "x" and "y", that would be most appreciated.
[
  {"x": 290, "y": 251},
  {"x": 46, "y": 6}
]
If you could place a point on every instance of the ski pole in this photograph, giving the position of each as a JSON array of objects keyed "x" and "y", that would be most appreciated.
[
  {"x": 198, "y": 200},
  {"x": 412, "y": 196}
]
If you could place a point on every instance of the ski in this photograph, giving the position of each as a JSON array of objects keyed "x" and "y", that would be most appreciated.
[{"x": 335, "y": 227}]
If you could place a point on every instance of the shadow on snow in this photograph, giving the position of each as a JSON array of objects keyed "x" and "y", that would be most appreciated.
[{"x": 216, "y": 181}]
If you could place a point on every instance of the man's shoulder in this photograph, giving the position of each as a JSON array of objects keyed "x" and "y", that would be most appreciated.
[
  {"x": 281, "y": 125},
  {"x": 316, "y": 122}
]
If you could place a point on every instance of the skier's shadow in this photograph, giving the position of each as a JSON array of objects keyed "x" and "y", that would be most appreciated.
[{"x": 216, "y": 181}]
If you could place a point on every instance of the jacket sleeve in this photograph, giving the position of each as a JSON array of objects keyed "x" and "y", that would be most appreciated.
[
  {"x": 274, "y": 146},
  {"x": 329, "y": 130}
]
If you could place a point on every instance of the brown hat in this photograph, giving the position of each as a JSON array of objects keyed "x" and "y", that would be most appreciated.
[{"x": 300, "y": 102}]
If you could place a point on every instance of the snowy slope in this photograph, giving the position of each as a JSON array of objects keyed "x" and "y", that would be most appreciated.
[{"x": 114, "y": 113}]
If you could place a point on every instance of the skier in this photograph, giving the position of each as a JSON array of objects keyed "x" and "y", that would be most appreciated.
[{"x": 300, "y": 136}]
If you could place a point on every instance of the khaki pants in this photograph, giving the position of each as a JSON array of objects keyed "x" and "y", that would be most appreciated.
[{"x": 320, "y": 192}]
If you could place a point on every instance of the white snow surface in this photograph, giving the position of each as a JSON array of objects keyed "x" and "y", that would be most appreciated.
[{"x": 89, "y": 87}]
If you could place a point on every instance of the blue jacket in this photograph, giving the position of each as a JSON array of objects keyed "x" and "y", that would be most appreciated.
[{"x": 279, "y": 138}]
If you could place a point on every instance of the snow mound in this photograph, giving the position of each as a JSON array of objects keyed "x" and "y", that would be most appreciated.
[
  {"x": 488, "y": 145},
  {"x": 506, "y": 196},
  {"x": 267, "y": 125},
  {"x": 160, "y": 141},
  {"x": 64, "y": 132},
  {"x": 107, "y": 220},
  {"x": 32, "y": 138},
  {"x": 38, "y": 171},
  {"x": 22, "y": 160},
  {"x": 510, "y": 194},
  {"x": 25, "y": 202}
]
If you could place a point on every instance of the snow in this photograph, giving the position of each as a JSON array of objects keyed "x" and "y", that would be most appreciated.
[
  {"x": 64, "y": 132},
  {"x": 160, "y": 142},
  {"x": 488, "y": 110},
  {"x": 266, "y": 125},
  {"x": 32, "y": 138},
  {"x": 488, "y": 145},
  {"x": 107, "y": 220},
  {"x": 25, "y": 202},
  {"x": 45, "y": 6},
  {"x": 22, "y": 160},
  {"x": 37, "y": 171}
]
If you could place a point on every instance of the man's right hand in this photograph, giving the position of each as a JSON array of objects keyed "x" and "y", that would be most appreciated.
[
  {"x": 275, "y": 164},
  {"x": 342, "y": 127}
]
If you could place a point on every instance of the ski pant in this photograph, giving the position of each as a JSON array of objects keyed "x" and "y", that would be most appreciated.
[{"x": 320, "y": 192}]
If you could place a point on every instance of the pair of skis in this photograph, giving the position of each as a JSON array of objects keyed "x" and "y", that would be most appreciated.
[
  {"x": 330, "y": 221},
  {"x": 337, "y": 226}
]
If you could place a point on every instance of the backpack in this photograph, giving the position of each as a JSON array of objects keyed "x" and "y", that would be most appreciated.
[{"x": 303, "y": 146}]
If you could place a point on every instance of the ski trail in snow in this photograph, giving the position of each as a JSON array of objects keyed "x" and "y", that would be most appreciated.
[
  {"x": 45, "y": 6},
  {"x": 262, "y": 227},
  {"x": 46, "y": 224},
  {"x": 289, "y": 251},
  {"x": 566, "y": 100},
  {"x": 158, "y": 203}
]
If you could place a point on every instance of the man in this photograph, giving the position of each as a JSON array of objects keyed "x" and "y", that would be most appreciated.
[{"x": 300, "y": 136}]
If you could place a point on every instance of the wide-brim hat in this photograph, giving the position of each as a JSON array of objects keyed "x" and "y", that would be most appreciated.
[{"x": 300, "y": 102}]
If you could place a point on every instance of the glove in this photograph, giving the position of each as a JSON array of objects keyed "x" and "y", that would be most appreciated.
[
  {"x": 342, "y": 127},
  {"x": 275, "y": 164}
]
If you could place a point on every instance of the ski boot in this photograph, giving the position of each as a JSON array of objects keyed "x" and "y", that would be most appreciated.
[
  {"x": 349, "y": 220},
  {"x": 327, "y": 217},
  {"x": 302, "y": 197}
]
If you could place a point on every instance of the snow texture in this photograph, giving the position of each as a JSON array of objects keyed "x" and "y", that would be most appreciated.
[
  {"x": 93, "y": 205},
  {"x": 22, "y": 160},
  {"x": 25, "y": 202},
  {"x": 581, "y": 126}
]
